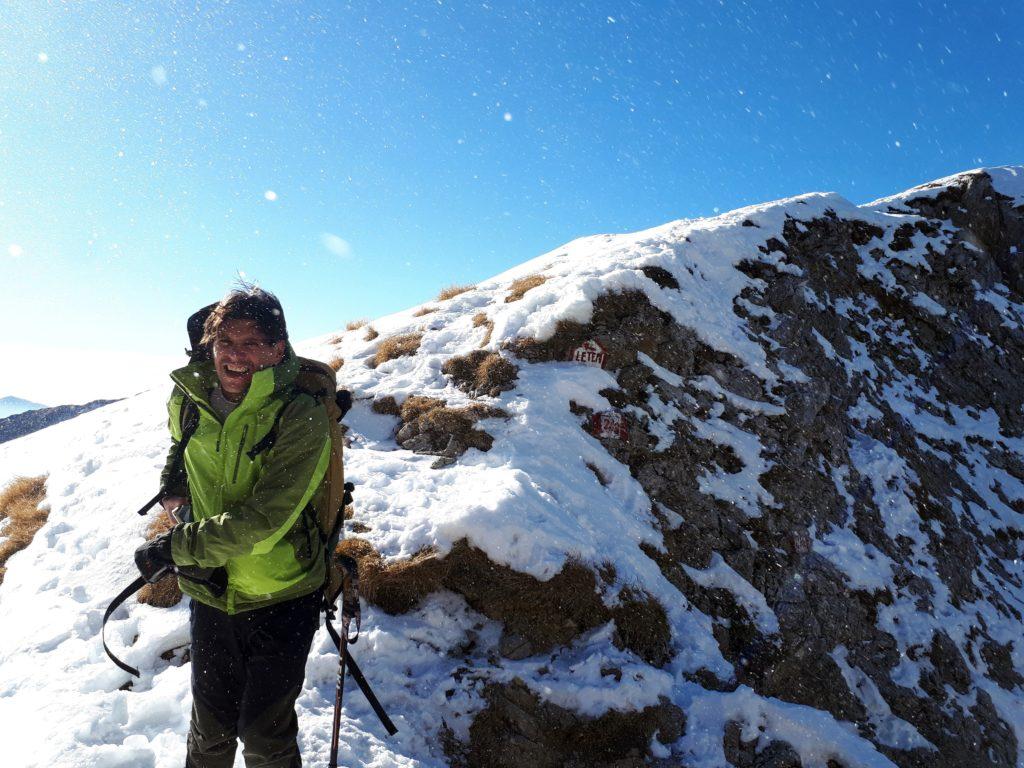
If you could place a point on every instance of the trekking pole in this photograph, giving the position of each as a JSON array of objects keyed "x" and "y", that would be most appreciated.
[
  {"x": 349, "y": 611},
  {"x": 339, "y": 691}
]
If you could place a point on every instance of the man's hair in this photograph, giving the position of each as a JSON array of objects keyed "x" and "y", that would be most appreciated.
[{"x": 248, "y": 302}]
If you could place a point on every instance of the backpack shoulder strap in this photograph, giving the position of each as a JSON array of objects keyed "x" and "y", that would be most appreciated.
[{"x": 265, "y": 443}]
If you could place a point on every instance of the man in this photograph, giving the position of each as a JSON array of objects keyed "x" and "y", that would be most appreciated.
[{"x": 251, "y": 515}]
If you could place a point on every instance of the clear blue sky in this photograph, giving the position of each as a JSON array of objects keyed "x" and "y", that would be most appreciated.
[{"x": 414, "y": 145}]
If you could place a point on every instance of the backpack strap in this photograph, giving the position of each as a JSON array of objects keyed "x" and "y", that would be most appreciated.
[{"x": 265, "y": 443}]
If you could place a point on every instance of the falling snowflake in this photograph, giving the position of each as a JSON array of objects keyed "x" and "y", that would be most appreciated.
[
  {"x": 43, "y": 58},
  {"x": 270, "y": 195},
  {"x": 508, "y": 117}
]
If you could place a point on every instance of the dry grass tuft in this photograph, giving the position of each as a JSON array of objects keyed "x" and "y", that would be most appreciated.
[
  {"x": 386, "y": 406},
  {"x": 335, "y": 339},
  {"x": 336, "y": 362},
  {"x": 371, "y": 333},
  {"x": 417, "y": 405},
  {"x": 641, "y": 625},
  {"x": 432, "y": 428},
  {"x": 481, "y": 373},
  {"x": 542, "y": 614},
  {"x": 424, "y": 311},
  {"x": 397, "y": 587},
  {"x": 519, "y": 288},
  {"x": 20, "y": 506},
  {"x": 518, "y": 728},
  {"x": 165, "y": 592},
  {"x": 397, "y": 346},
  {"x": 452, "y": 291},
  {"x": 356, "y": 324},
  {"x": 495, "y": 374},
  {"x": 480, "y": 318}
]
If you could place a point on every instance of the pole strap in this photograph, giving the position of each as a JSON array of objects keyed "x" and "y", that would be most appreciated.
[{"x": 127, "y": 592}]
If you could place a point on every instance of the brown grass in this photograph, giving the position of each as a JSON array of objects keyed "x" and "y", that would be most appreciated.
[
  {"x": 371, "y": 333},
  {"x": 401, "y": 345},
  {"x": 547, "y": 613},
  {"x": 518, "y": 728},
  {"x": 424, "y": 311},
  {"x": 20, "y": 506},
  {"x": 355, "y": 324},
  {"x": 481, "y": 373},
  {"x": 543, "y": 613},
  {"x": 398, "y": 587},
  {"x": 519, "y": 288},
  {"x": 386, "y": 406},
  {"x": 417, "y": 405},
  {"x": 336, "y": 363},
  {"x": 165, "y": 592},
  {"x": 335, "y": 339},
  {"x": 480, "y": 318},
  {"x": 430, "y": 427},
  {"x": 452, "y": 291},
  {"x": 641, "y": 625}
]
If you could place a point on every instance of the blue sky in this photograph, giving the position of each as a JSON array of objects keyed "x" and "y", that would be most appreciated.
[{"x": 355, "y": 158}]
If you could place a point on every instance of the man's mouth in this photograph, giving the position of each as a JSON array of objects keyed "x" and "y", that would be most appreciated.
[{"x": 237, "y": 371}]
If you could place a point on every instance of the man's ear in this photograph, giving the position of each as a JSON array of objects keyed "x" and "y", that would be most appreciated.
[{"x": 279, "y": 351}]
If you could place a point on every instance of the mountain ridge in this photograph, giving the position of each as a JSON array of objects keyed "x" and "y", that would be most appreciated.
[{"x": 774, "y": 523}]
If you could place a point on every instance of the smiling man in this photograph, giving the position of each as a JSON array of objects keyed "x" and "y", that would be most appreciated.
[{"x": 250, "y": 524}]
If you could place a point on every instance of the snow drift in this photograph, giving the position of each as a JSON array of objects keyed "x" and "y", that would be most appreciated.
[{"x": 734, "y": 491}]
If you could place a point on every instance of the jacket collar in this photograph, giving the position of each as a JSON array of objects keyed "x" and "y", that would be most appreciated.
[{"x": 197, "y": 380}]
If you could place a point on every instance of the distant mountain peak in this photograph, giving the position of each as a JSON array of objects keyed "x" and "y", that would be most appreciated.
[{"x": 11, "y": 405}]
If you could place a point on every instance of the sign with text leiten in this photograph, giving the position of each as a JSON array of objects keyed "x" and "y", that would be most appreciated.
[
  {"x": 609, "y": 425},
  {"x": 589, "y": 353}
]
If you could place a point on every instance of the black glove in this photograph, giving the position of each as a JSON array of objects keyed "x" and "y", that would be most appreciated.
[{"x": 154, "y": 558}]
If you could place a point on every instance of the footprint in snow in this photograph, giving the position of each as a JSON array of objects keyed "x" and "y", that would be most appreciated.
[{"x": 54, "y": 532}]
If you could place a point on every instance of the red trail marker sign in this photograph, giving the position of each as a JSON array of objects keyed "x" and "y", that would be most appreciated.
[{"x": 609, "y": 425}]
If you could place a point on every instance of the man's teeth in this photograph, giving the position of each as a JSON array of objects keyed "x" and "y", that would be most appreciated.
[{"x": 232, "y": 369}]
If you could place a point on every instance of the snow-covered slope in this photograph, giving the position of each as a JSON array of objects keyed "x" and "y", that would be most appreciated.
[{"x": 813, "y": 482}]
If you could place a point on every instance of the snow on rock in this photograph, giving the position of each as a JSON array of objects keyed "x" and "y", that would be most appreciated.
[{"x": 779, "y": 521}]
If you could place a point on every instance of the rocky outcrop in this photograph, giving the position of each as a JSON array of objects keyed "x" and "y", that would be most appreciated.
[{"x": 835, "y": 476}]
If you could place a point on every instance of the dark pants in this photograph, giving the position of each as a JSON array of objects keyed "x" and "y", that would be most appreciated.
[{"x": 247, "y": 671}]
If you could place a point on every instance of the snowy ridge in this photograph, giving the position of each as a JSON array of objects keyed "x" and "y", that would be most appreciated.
[{"x": 532, "y": 501}]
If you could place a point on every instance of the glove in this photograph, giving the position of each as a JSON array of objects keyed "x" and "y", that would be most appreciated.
[{"x": 154, "y": 559}]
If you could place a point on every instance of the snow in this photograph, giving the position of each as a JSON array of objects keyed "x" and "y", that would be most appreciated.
[
  {"x": 891, "y": 730},
  {"x": 720, "y": 575},
  {"x": 529, "y": 503},
  {"x": 1008, "y": 180}
]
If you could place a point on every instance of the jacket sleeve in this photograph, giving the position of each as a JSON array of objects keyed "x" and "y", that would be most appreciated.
[
  {"x": 291, "y": 474},
  {"x": 174, "y": 480}
]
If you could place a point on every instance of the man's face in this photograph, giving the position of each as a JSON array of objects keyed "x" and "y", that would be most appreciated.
[{"x": 240, "y": 350}]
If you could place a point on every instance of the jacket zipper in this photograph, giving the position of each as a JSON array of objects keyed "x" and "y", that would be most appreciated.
[{"x": 238, "y": 456}]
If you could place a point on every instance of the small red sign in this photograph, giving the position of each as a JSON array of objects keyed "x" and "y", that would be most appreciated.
[
  {"x": 609, "y": 425},
  {"x": 589, "y": 353}
]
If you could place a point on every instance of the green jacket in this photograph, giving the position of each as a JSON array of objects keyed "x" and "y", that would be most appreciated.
[{"x": 250, "y": 514}]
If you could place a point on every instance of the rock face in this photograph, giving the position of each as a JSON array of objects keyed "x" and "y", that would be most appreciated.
[
  {"x": 30, "y": 421},
  {"x": 829, "y": 446}
]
